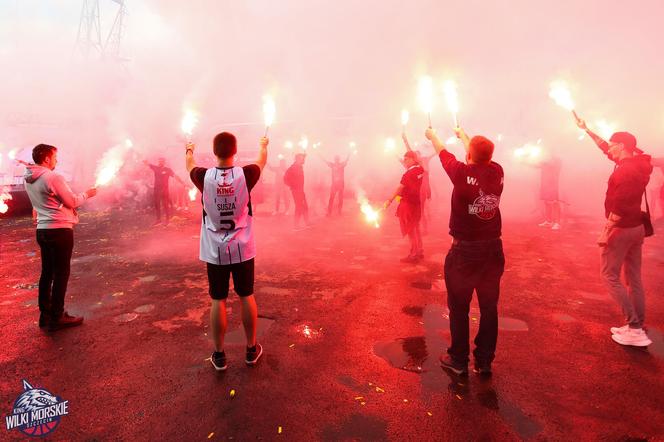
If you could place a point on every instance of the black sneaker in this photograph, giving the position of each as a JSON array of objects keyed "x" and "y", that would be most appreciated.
[
  {"x": 482, "y": 368},
  {"x": 43, "y": 320},
  {"x": 64, "y": 321},
  {"x": 218, "y": 360},
  {"x": 410, "y": 259},
  {"x": 253, "y": 354},
  {"x": 455, "y": 367}
]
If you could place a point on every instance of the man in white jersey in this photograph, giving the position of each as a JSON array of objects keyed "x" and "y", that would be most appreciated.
[{"x": 227, "y": 238}]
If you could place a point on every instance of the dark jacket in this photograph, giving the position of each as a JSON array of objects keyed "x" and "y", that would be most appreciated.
[
  {"x": 625, "y": 191},
  {"x": 294, "y": 177}
]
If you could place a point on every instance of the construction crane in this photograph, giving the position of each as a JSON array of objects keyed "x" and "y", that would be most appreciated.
[{"x": 89, "y": 42}]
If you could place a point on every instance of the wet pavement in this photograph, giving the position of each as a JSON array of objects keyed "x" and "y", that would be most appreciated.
[{"x": 352, "y": 339}]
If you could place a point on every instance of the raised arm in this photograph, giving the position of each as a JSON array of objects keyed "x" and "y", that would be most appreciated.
[
  {"x": 601, "y": 143},
  {"x": 190, "y": 163},
  {"x": 405, "y": 142},
  {"x": 262, "y": 152},
  {"x": 463, "y": 136},
  {"x": 432, "y": 136}
]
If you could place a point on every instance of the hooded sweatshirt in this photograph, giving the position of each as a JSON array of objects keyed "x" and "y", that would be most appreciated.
[
  {"x": 52, "y": 198},
  {"x": 625, "y": 191}
]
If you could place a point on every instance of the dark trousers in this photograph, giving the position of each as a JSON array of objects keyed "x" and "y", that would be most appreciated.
[
  {"x": 474, "y": 266},
  {"x": 161, "y": 198},
  {"x": 336, "y": 189},
  {"x": 56, "y": 248},
  {"x": 301, "y": 207}
]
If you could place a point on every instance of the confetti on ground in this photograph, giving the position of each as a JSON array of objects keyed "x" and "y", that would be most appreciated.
[
  {"x": 116, "y": 294},
  {"x": 279, "y": 430},
  {"x": 363, "y": 403},
  {"x": 291, "y": 346},
  {"x": 359, "y": 398},
  {"x": 379, "y": 390},
  {"x": 405, "y": 400},
  {"x": 210, "y": 435},
  {"x": 459, "y": 397},
  {"x": 429, "y": 413},
  {"x": 232, "y": 393}
]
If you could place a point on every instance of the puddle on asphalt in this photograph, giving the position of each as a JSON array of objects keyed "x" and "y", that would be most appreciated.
[
  {"x": 237, "y": 336},
  {"x": 594, "y": 296},
  {"x": 125, "y": 317},
  {"x": 407, "y": 354},
  {"x": 511, "y": 324},
  {"x": 144, "y": 308},
  {"x": 413, "y": 310},
  {"x": 422, "y": 285},
  {"x": 563, "y": 317},
  {"x": 524, "y": 426}
]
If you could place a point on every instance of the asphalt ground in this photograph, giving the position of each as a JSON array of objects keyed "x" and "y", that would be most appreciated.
[{"x": 351, "y": 337}]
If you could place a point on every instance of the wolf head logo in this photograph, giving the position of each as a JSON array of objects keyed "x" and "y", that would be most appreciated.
[{"x": 33, "y": 398}]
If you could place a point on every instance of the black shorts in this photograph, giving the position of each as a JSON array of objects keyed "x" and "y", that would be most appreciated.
[{"x": 219, "y": 278}]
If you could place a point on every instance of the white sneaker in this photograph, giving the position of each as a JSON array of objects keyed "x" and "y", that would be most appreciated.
[
  {"x": 619, "y": 330},
  {"x": 545, "y": 224},
  {"x": 555, "y": 226},
  {"x": 634, "y": 336}
]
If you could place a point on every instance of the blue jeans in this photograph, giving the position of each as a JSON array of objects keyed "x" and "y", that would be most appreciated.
[
  {"x": 474, "y": 266},
  {"x": 623, "y": 253}
]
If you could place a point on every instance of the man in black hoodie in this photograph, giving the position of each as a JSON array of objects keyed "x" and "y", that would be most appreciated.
[
  {"x": 475, "y": 262},
  {"x": 622, "y": 238}
]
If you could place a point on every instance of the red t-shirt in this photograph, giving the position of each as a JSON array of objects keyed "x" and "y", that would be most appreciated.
[{"x": 412, "y": 182}]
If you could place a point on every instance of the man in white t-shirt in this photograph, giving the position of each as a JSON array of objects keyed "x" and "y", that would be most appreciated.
[{"x": 227, "y": 238}]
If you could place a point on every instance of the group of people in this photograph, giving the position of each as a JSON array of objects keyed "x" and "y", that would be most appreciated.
[{"x": 475, "y": 261}]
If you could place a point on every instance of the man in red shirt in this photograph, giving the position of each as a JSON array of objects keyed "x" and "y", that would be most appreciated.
[
  {"x": 475, "y": 262},
  {"x": 409, "y": 210}
]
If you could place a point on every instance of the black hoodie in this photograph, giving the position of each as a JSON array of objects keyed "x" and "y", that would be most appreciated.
[{"x": 625, "y": 191}]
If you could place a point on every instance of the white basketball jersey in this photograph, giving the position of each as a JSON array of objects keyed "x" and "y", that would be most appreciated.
[{"x": 227, "y": 235}]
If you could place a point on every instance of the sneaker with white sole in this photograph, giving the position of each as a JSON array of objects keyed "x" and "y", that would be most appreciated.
[
  {"x": 253, "y": 354},
  {"x": 455, "y": 367},
  {"x": 218, "y": 360},
  {"x": 555, "y": 226},
  {"x": 634, "y": 336},
  {"x": 545, "y": 224},
  {"x": 619, "y": 330}
]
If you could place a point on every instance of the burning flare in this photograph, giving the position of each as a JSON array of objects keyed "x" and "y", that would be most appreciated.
[
  {"x": 304, "y": 142},
  {"x": 405, "y": 116},
  {"x": 189, "y": 122},
  {"x": 192, "y": 193},
  {"x": 110, "y": 164},
  {"x": 371, "y": 215},
  {"x": 560, "y": 93},
  {"x": 425, "y": 94},
  {"x": 390, "y": 145},
  {"x": 4, "y": 196},
  {"x": 529, "y": 153},
  {"x": 452, "y": 99},
  {"x": 269, "y": 110}
]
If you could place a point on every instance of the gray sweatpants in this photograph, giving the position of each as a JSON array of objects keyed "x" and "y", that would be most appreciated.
[{"x": 623, "y": 252}]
